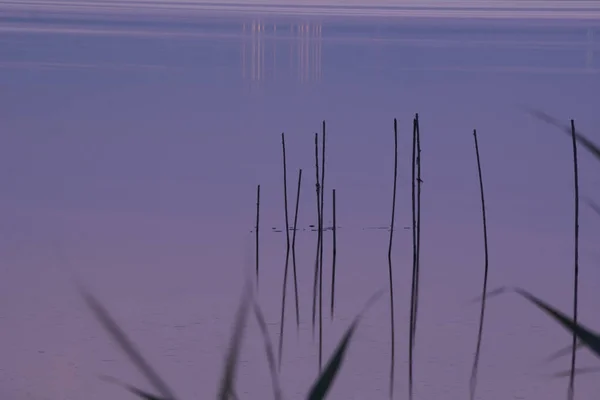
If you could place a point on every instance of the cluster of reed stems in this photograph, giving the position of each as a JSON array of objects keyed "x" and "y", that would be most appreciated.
[{"x": 581, "y": 336}]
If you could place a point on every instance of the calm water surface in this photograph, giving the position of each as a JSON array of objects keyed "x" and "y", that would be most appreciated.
[{"x": 129, "y": 157}]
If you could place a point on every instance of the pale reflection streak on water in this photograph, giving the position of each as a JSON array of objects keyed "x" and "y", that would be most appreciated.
[{"x": 259, "y": 47}]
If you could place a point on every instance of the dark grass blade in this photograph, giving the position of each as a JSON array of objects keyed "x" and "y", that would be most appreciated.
[
  {"x": 270, "y": 353},
  {"x": 294, "y": 248},
  {"x": 492, "y": 293},
  {"x": 325, "y": 380},
  {"x": 390, "y": 269},
  {"x": 587, "y": 336},
  {"x": 564, "y": 351},
  {"x": 578, "y": 371},
  {"x": 321, "y": 249},
  {"x": 136, "y": 391},
  {"x": 475, "y": 368},
  {"x": 126, "y": 345},
  {"x": 257, "y": 231},
  {"x": 576, "y": 263},
  {"x": 287, "y": 252},
  {"x": 582, "y": 139},
  {"x": 227, "y": 384},
  {"x": 593, "y": 205},
  {"x": 334, "y": 257},
  {"x": 316, "y": 277}
]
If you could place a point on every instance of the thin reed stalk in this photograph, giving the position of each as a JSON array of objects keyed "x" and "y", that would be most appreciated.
[
  {"x": 474, "y": 370},
  {"x": 334, "y": 256},
  {"x": 411, "y": 336},
  {"x": 321, "y": 250},
  {"x": 571, "y": 391},
  {"x": 257, "y": 232},
  {"x": 316, "y": 277},
  {"x": 419, "y": 182},
  {"x": 392, "y": 322},
  {"x": 287, "y": 252},
  {"x": 294, "y": 248}
]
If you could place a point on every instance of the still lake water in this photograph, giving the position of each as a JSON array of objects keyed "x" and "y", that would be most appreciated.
[{"x": 129, "y": 157}]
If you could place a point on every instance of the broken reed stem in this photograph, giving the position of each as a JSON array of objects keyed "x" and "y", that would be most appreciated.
[
  {"x": 414, "y": 267},
  {"x": 257, "y": 231},
  {"x": 571, "y": 391},
  {"x": 392, "y": 323},
  {"x": 287, "y": 252},
  {"x": 321, "y": 251},
  {"x": 294, "y": 248},
  {"x": 334, "y": 256},
  {"x": 474, "y": 371},
  {"x": 316, "y": 277}
]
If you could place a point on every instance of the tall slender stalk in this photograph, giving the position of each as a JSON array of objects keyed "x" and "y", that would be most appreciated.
[
  {"x": 257, "y": 231},
  {"x": 334, "y": 256},
  {"x": 392, "y": 323},
  {"x": 411, "y": 336},
  {"x": 294, "y": 248},
  {"x": 321, "y": 251},
  {"x": 316, "y": 277},
  {"x": 571, "y": 391},
  {"x": 287, "y": 252},
  {"x": 419, "y": 182},
  {"x": 474, "y": 371}
]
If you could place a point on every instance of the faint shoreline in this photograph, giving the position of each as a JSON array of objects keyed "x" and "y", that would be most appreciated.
[{"x": 450, "y": 9}]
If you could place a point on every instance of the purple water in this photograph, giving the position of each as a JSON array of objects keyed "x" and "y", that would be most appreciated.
[{"x": 129, "y": 157}]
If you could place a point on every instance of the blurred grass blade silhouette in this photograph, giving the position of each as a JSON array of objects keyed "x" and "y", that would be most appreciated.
[
  {"x": 588, "y": 337},
  {"x": 126, "y": 345},
  {"x": 581, "y": 139},
  {"x": 136, "y": 391},
  {"x": 325, "y": 380},
  {"x": 490, "y": 294},
  {"x": 578, "y": 371},
  {"x": 268, "y": 350},
  {"x": 230, "y": 368},
  {"x": 563, "y": 352},
  {"x": 593, "y": 205}
]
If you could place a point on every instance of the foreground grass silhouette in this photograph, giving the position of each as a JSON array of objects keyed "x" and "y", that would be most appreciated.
[{"x": 318, "y": 391}]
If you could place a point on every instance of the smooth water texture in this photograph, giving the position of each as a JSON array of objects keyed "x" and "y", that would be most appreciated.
[{"x": 130, "y": 152}]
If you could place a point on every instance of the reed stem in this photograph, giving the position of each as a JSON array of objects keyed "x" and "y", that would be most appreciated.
[
  {"x": 294, "y": 248},
  {"x": 391, "y": 280},
  {"x": 321, "y": 250},
  {"x": 257, "y": 232},
  {"x": 334, "y": 257},
  {"x": 571, "y": 391},
  {"x": 474, "y": 371},
  {"x": 287, "y": 252},
  {"x": 316, "y": 277}
]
